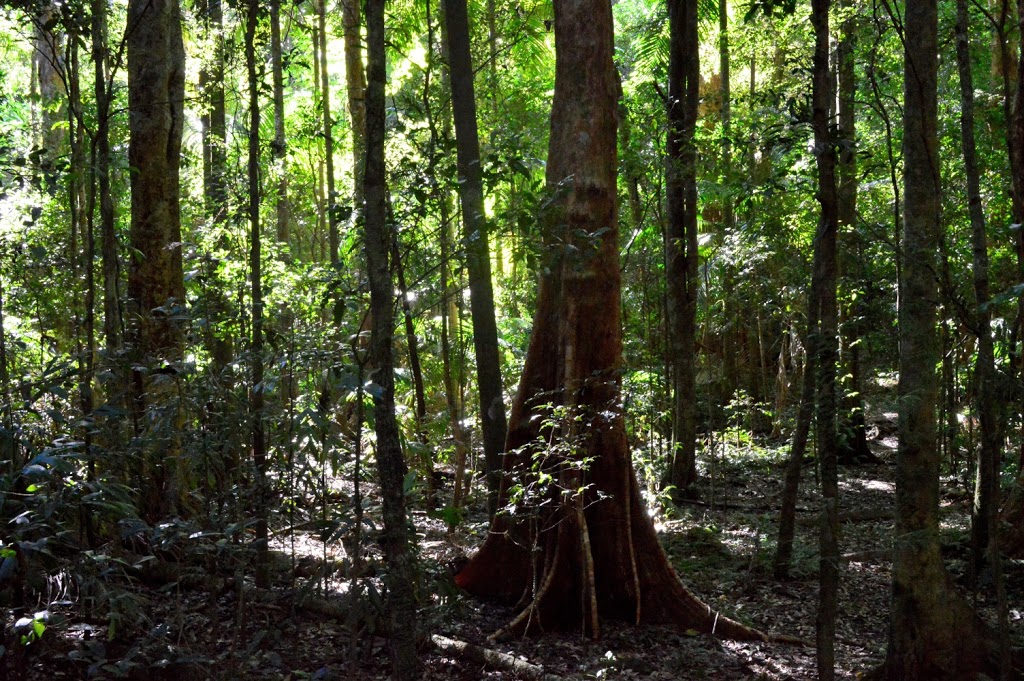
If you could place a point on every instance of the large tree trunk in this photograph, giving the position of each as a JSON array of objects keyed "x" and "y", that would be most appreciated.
[
  {"x": 391, "y": 467},
  {"x": 156, "y": 91},
  {"x": 591, "y": 551},
  {"x": 478, "y": 255},
  {"x": 681, "y": 247},
  {"x": 1013, "y": 513},
  {"x": 932, "y": 633}
]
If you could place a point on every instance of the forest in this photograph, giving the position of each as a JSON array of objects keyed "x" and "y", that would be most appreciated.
[{"x": 519, "y": 339}]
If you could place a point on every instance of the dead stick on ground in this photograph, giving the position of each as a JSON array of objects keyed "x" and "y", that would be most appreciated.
[{"x": 492, "y": 658}]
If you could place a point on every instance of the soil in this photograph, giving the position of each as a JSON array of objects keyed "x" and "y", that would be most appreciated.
[{"x": 209, "y": 623}]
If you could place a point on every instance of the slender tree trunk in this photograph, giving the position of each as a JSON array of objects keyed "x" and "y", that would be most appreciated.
[
  {"x": 805, "y": 414},
  {"x": 391, "y": 467},
  {"x": 478, "y": 257},
  {"x": 333, "y": 237},
  {"x": 828, "y": 350},
  {"x": 256, "y": 387},
  {"x": 986, "y": 495},
  {"x": 984, "y": 528},
  {"x": 854, "y": 443},
  {"x": 355, "y": 79},
  {"x": 112, "y": 324},
  {"x": 459, "y": 436},
  {"x": 726, "y": 113},
  {"x": 81, "y": 199},
  {"x": 214, "y": 119},
  {"x": 318, "y": 244},
  {"x": 9, "y": 449},
  {"x": 422, "y": 454},
  {"x": 280, "y": 146},
  {"x": 681, "y": 249}
]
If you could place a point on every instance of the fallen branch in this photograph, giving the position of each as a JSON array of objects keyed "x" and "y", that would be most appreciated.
[{"x": 491, "y": 658}]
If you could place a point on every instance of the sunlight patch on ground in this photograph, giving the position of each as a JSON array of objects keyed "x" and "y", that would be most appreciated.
[{"x": 869, "y": 485}]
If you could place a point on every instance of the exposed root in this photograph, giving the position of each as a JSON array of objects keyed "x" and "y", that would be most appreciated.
[
  {"x": 589, "y": 591},
  {"x": 523, "y": 619}
]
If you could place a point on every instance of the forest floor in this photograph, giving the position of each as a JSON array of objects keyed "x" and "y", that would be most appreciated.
[{"x": 190, "y": 627}]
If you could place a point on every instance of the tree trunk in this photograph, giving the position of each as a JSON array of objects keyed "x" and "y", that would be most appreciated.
[
  {"x": 355, "y": 79},
  {"x": 478, "y": 254},
  {"x": 854, "y": 440},
  {"x": 280, "y": 146},
  {"x": 459, "y": 436},
  {"x": 214, "y": 120},
  {"x": 726, "y": 113},
  {"x": 50, "y": 70},
  {"x": 591, "y": 551},
  {"x": 681, "y": 247},
  {"x": 932, "y": 632},
  {"x": 422, "y": 455},
  {"x": 986, "y": 391},
  {"x": 827, "y": 345},
  {"x": 391, "y": 467},
  {"x": 156, "y": 290},
  {"x": 333, "y": 238},
  {"x": 1013, "y": 513},
  {"x": 112, "y": 324},
  {"x": 318, "y": 244},
  {"x": 256, "y": 387},
  {"x": 81, "y": 204},
  {"x": 984, "y": 530}
]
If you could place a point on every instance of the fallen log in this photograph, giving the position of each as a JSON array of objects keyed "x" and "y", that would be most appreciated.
[{"x": 491, "y": 658}]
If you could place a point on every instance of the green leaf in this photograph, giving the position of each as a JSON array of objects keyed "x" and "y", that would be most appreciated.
[{"x": 409, "y": 482}]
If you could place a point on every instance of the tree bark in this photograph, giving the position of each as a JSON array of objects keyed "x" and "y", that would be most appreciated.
[
  {"x": 986, "y": 489},
  {"x": 256, "y": 387},
  {"x": 391, "y": 467},
  {"x": 590, "y": 551},
  {"x": 827, "y": 346},
  {"x": 112, "y": 323},
  {"x": 156, "y": 290},
  {"x": 355, "y": 79},
  {"x": 50, "y": 70},
  {"x": 984, "y": 529},
  {"x": 681, "y": 247},
  {"x": 214, "y": 120},
  {"x": 478, "y": 254},
  {"x": 1013, "y": 513},
  {"x": 853, "y": 429},
  {"x": 932, "y": 632},
  {"x": 280, "y": 145},
  {"x": 333, "y": 237},
  {"x": 726, "y": 113}
]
